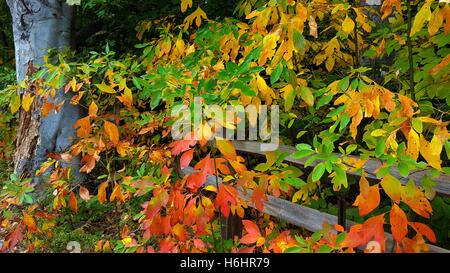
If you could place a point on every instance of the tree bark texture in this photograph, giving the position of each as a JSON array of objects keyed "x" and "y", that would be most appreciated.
[{"x": 38, "y": 26}]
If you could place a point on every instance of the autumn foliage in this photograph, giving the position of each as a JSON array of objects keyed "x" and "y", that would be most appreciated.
[{"x": 313, "y": 58}]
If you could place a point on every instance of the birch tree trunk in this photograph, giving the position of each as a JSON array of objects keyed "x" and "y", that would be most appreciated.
[{"x": 39, "y": 25}]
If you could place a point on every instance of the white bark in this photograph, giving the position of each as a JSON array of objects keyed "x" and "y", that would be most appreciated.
[{"x": 38, "y": 26}]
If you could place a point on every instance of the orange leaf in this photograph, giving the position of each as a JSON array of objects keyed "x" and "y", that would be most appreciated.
[
  {"x": 93, "y": 109},
  {"x": 29, "y": 222},
  {"x": 126, "y": 98},
  {"x": 112, "y": 132},
  {"x": 102, "y": 192},
  {"x": 226, "y": 148},
  {"x": 441, "y": 65},
  {"x": 117, "y": 193},
  {"x": 84, "y": 127},
  {"x": 179, "y": 231},
  {"x": 89, "y": 163},
  {"x": 368, "y": 204},
  {"x": 423, "y": 229},
  {"x": 47, "y": 108},
  {"x": 73, "y": 202},
  {"x": 339, "y": 228},
  {"x": 84, "y": 194},
  {"x": 399, "y": 223}
]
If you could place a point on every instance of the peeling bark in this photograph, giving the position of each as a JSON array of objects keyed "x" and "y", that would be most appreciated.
[{"x": 40, "y": 25}]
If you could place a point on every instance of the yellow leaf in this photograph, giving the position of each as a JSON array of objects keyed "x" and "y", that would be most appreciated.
[
  {"x": 268, "y": 49},
  {"x": 112, "y": 132},
  {"x": 435, "y": 22},
  {"x": 105, "y": 88},
  {"x": 15, "y": 103},
  {"x": 430, "y": 156},
  {"x": 378, "y": 133},
  {"x": 348, "y": 25},
  {"x": 392, "y": 187},
  {"x": 185, "y": 4},
  {"x": 197, "y": 15},
  {"x": 422, "y": 16},
  {"x": 27, "y": 100},
  {"x": 445, "y": 61},
  {"x": 210, "y": 188},
  {"x": 413, "y": 144}
]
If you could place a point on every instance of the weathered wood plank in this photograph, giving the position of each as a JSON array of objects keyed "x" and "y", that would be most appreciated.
[
  {"x": 256, "y": 148},
  {"x": 301, "y": 216}
]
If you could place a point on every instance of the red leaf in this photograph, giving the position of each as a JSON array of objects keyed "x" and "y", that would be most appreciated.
[
  {"x": 251, "y": 227},
  {"x": 258, "y": 198},
  {"x": 226, "y": 195},
  {"x": 249, "y": 239},
  {"x": 186, "y": 158},
  {"x": 253, "y": 233},
  {"x": 13, "y": 238},
  {"x": 180, "y": 146}
]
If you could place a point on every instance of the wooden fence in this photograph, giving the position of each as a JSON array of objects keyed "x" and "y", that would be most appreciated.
[{"x": 311, "y": 219}]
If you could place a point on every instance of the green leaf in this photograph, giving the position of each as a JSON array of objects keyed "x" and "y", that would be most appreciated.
[
  {"x": 325, "y": 249},
  {"x": 403, "y": 169},
  {"x": 417, "y": 125},
  {"x": 351, "y": 148},
  {"x": 344, "y": 83},
  {"x": 306, "y": 95},
  {"x": 295, "y": 182},
  {"x": 302, "y": 154},
  {"x": 155, "y": 100},
  {"x": 276, "y": 73},
  {"x": 318, "y": 172},
  {"x": 299, "y": 41},
  {"x": 137, "y": 83},
  {"x": 379, "y": 149}
]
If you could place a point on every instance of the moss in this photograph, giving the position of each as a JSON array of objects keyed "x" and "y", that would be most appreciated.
[{"x": 63, "y": 235}]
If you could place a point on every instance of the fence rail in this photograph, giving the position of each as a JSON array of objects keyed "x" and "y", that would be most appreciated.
[
  {"x": 371, "y": 165},
  {"x": 311, "y": 219}
]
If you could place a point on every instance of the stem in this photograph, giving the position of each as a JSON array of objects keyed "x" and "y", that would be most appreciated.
[
  {"x": 355, "y": 33},
  {"x": 217, "y": 185},
  {"x": 410, "y": 54}
]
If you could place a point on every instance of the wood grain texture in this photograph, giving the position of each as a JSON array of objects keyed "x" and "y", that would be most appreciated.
[
  {"x": 301, "y": 216},
  {"x": 256, "y": 148}
]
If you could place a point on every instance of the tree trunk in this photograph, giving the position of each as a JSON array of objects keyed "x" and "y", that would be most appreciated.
[{"x": 39, "y": 25}]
